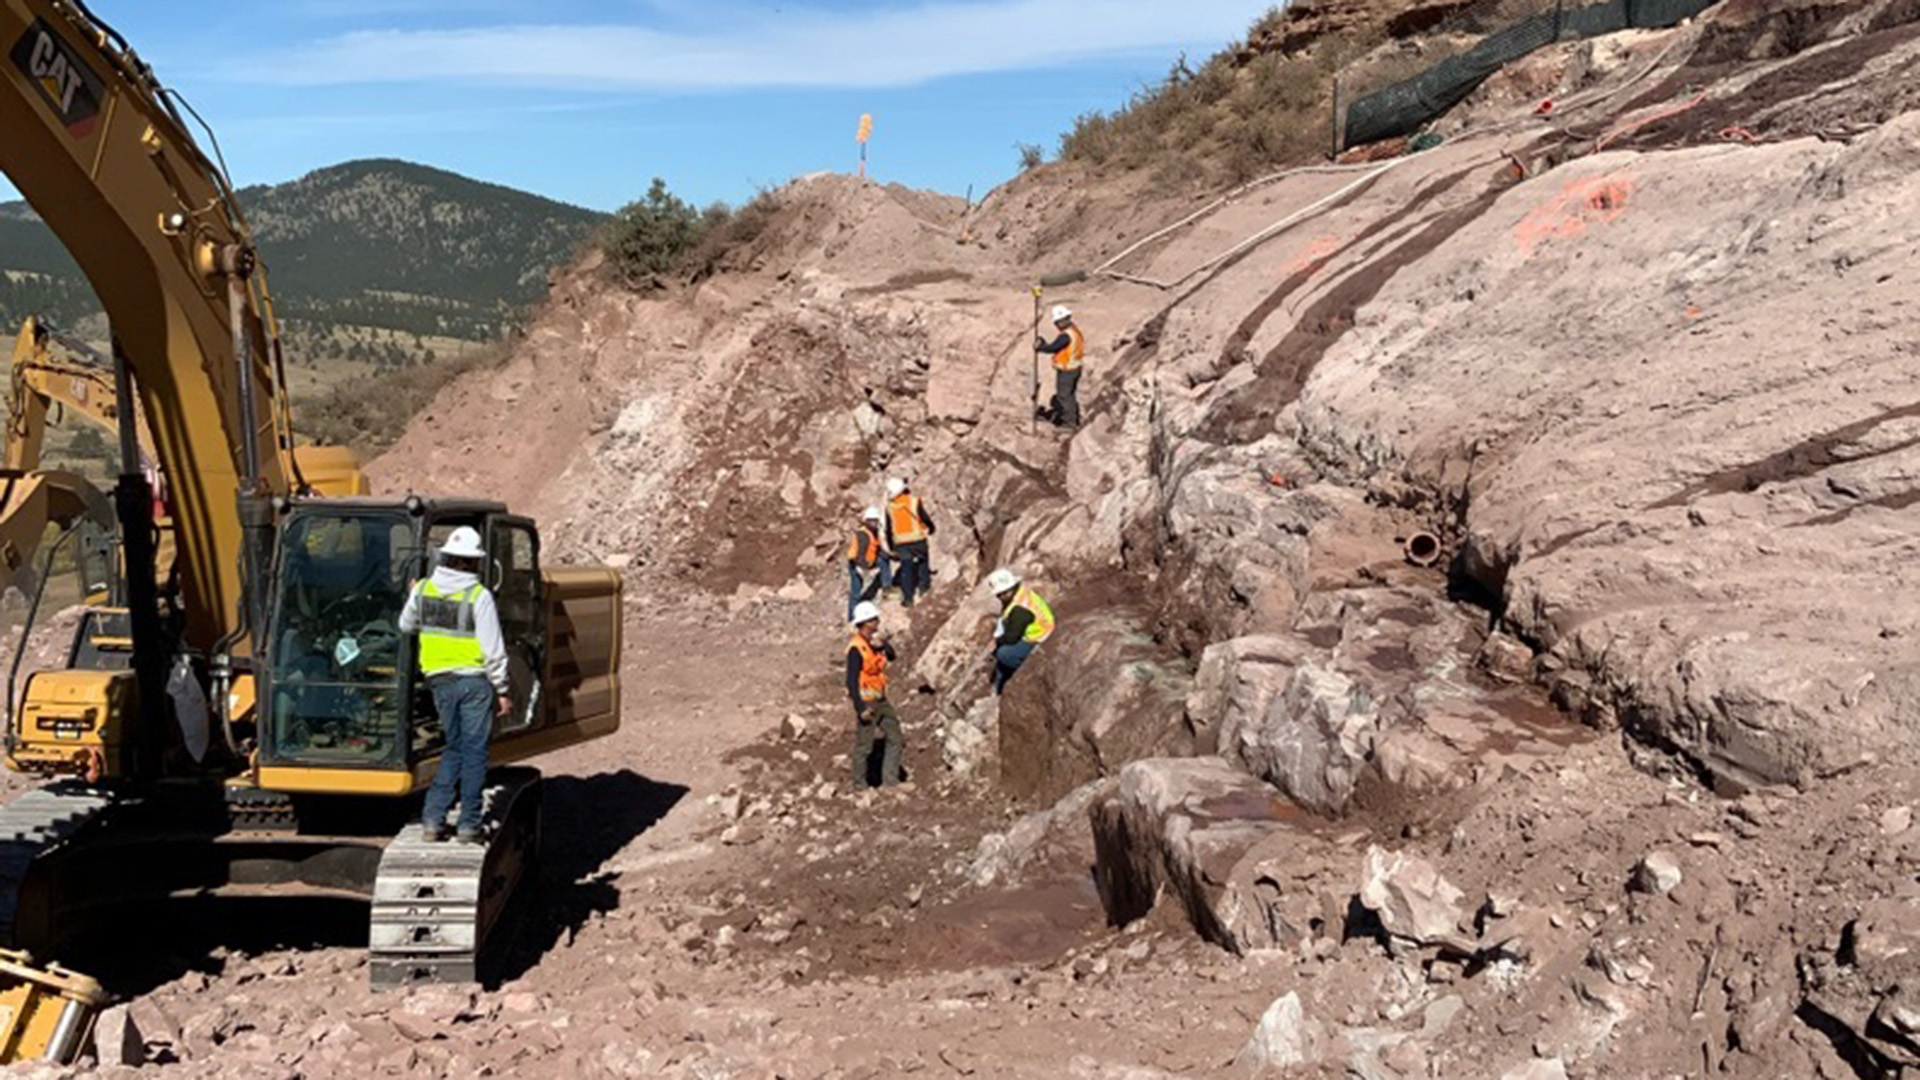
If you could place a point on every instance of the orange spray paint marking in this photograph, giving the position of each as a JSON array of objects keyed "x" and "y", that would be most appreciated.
[
  {"x": 1318, "y": 250},
  {"x": 1581, "y": 204}
]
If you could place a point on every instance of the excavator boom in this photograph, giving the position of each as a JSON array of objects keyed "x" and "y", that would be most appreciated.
[{"x": 110, "y": 167}]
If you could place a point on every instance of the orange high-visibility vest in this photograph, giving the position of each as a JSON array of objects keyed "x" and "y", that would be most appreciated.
[
  {"x": 872, "y": 557},
  {"x": 905, "y": 511},
  {"x": 1071, "y": 357},
  {"x": 873, "y": 670}
]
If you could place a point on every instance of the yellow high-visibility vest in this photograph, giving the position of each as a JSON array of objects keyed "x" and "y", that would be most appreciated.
[
  {"x": 448, "y": 640},
  {"x": 1042, "y": 625}
]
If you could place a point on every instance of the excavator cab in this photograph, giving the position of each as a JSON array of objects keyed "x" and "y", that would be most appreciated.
[{"x": 342, "y": 702}]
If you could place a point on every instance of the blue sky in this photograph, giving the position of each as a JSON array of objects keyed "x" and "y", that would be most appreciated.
[{"x": 586, "y": 101}]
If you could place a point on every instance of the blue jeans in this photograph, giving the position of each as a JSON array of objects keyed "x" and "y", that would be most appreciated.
[
  {"x": 914, "y": 575},
  {"x": 465, "y": 703},
  {"x": 1007, "y": 660},
  {"x": 866, "y": 586}
]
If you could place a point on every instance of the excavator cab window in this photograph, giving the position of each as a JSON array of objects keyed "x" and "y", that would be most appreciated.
[{"x": 339, "y": 671}]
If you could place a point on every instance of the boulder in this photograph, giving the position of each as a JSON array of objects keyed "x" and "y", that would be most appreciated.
[
  {"x": 969, "y": 742},
  {"x": 1238, "y": 680},
  {"x": 1415, "y": 904},
  {"x": 1658, "y": 873},
  {"x": 1245, "y": 865},
  {"x": 1059, "y": 834},
  {"x": 116, "y": 1038},
  {"x": 1283, "y": 1039},
  {"x": 1313, "y": 739}
]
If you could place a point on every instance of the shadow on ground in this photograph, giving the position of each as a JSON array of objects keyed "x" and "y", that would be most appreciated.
[{"x": 586, "y": 821}]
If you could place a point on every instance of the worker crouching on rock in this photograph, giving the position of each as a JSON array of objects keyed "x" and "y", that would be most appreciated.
[
  {"x": 1025, "y": 622},
  {"x": 868, "y": 655},
  {"x": 464, "y": 658}
]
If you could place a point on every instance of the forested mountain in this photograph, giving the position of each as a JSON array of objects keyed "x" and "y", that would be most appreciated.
[{"x": 378, "y": 262}]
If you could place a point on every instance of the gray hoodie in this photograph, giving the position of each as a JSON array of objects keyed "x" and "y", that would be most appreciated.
[{"x": 486, "y": 623}]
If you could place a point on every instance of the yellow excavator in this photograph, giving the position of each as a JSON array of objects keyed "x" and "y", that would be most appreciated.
[
  {"x": 50, "y": 371},
  {"x": 253, "y": 724}
]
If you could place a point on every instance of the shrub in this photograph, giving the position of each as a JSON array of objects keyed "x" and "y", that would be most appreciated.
[
  {"x": 1032, "y": 156},
  {"x": 727, "y": 232},
  {"x": 1246, "y": 111},
  {"x": 646, "y": 240}
]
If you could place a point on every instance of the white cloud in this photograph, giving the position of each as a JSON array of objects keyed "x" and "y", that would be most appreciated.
[{"x": 765, "y": 47}]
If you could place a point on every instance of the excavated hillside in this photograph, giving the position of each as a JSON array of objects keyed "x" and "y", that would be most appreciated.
[{"x": 1623, "y": 785}]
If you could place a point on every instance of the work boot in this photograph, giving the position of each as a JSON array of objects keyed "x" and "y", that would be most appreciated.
[
  {"x": 433, "y": 834},
  {"x": 469, "y": 836}
]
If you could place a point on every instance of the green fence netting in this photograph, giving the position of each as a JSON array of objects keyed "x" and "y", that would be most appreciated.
[{"x": 1406, "y": 106}]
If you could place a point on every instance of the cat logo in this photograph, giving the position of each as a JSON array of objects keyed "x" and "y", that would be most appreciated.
[{"x": 70, "y": 90}]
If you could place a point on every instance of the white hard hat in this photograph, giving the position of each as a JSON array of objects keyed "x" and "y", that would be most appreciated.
[
  {"x": 896, "y": 485},
  {"x": 865, "y": 611},
  {"x": 871, "y": 513},
  {"x": 1061, "y": 313},
  {"x": 1002, "y": 580},
  {"x": 464, "y": 543}
]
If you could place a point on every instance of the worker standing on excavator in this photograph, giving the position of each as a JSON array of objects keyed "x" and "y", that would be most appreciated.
[
  {"x": 1025, "y": 622},
  {"x": 1069, "y": 351},
  {"x": 464, "y": 657},
  {"x": 868, "y": 655},
  {"x": 908, "y": 527},
  {"x": 867, "y": 565}
]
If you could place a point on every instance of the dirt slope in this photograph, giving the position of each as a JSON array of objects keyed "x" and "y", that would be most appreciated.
[{"x": 1619, "y": 788}]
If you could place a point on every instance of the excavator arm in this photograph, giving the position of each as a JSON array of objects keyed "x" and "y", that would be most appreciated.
[
  {"x": 103, "y": 156},
  {"x": 49, "y": 370}
]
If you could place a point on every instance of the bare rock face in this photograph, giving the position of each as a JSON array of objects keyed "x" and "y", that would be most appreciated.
[
  {"x": 1237, "y": 682},
  {"x": 1100, "y": 690},
  {"x": 970, "y": 742},
  {"x": 1313, "y": 741},
  {"x": 1675, "y": 568},
  {"x": 1236, "y": 855}
]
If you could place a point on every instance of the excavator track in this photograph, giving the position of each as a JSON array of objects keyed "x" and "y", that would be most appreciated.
[
  {"x": 34, "y": 824},
  {"x": 435, "y": 904}
]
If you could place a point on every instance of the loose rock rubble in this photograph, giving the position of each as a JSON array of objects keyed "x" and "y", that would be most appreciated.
[{"x": 1620, "y": 786}]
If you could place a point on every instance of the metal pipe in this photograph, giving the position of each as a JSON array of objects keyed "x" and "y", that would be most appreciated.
[
  {"x": 1422, "y": 549},
  {"x": 64, "y": 1044},
  {"x": 252, "y": 503},
  {"x": 237, "y": 310}
]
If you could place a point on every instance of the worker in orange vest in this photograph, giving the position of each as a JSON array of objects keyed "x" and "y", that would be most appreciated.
[
  {"x": 868, "y": 655},
  {"x": 1069, "y": 351},
  {"x": 868, "y": 569},
  {"x": 908, "y": 527}
]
